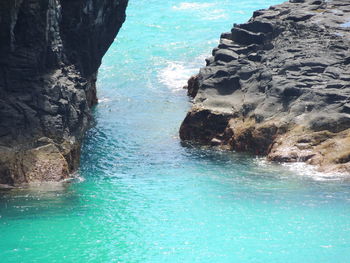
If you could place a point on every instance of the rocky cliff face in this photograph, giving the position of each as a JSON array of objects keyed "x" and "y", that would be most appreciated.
[
  {"x": 279, "y": 85},
  {"x": 50, "y": 52}
]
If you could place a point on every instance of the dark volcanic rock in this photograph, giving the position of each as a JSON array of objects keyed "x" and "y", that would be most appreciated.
[
  {"x": 50, "y": 52},
  {"x": 279, "y": 86}
]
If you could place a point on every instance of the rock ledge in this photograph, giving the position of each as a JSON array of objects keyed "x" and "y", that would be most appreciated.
[{"x": 279, "y": 86}]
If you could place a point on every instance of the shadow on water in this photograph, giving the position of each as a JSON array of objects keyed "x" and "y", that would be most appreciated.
[{"x": 35, "y": 201}]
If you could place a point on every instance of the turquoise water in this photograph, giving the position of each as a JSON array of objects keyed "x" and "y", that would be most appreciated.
[{"x": 144, "y": 197}]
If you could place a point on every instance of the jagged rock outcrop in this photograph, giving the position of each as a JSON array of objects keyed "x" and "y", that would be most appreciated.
[
  {"x": 50, "y": 52},
  {"x": 279, "y": 85}
]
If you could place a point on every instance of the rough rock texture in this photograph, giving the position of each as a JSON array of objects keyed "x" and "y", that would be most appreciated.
[
  {"x": 279, "y": 85},
  {"x": 50, "y": 51}
]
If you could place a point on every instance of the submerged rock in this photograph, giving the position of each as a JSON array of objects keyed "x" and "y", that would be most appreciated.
[
  {"x": 50, "y": 52},
  {"x": 279, "y": 85}
]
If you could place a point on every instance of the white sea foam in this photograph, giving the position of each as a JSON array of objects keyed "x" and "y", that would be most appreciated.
[
  {"x": 215, "y": 15},
  {"x": 193, "y": 5},
  {"x": 176, "y": 73},
  {"x": 104, "y": 100},
  {"x": 306, "y": 170},
  {"x": 310, "y": 171},
  {"x": 206, "y": 12},
  {"x": 154, "y": 26}
]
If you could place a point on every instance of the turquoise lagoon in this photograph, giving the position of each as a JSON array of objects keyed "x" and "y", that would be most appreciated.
[{"x": 144, "y": 197}]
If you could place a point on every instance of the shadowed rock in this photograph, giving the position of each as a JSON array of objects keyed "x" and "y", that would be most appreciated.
[{"x": 50, "y": 52}]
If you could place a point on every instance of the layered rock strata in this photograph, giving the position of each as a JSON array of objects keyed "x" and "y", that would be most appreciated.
[
  {"x": 279, "y": 86},
  {"x": 50, "y": 52}
]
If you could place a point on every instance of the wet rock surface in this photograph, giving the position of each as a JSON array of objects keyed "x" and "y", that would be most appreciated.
[
  {"x": 279, "y": 85},
  {"x": 50, "y": 52}
]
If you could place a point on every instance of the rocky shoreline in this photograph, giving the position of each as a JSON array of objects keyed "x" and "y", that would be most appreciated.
[
  {"x": 50, "y": 52},
  {"x": 279, "y": 86}
]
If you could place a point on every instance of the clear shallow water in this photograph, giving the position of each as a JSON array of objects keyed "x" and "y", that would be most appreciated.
[{"x": 147, "y": 198}]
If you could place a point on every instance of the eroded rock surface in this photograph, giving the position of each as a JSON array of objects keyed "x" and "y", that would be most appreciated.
[
  {"x": 50, "y": 51},
  {"x": 279, "y": 85}
]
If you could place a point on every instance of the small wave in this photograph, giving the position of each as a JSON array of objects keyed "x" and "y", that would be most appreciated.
[
  {"x": 104, "y": 100},
  {"x": 188, "y": 5},
  {"x": 310, "y": 171},
  {"x": 215, "y": 15},
  {"x": 154, "y": 26},
  {"x": 204, "y": 10},
  {"x": 78, "y": 178},
  {"x": 305, "y": 170},
  {"x": 176, "y": 73}
]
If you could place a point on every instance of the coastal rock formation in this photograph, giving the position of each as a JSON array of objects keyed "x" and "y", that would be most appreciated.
[
  {"x": 50, "y": 52},
  {"x": 279, "y": 86}
]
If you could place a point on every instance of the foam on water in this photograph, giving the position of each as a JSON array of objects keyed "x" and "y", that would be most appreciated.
[
  {"x": 104, "y": 100},
  {"x": 176, "y": 73},
  {"x": 301, "y": 169},
  {"x": 215, "y": 14},
  {"x": 310, "y": 171},
  {"x": 192, "y": 6}
]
